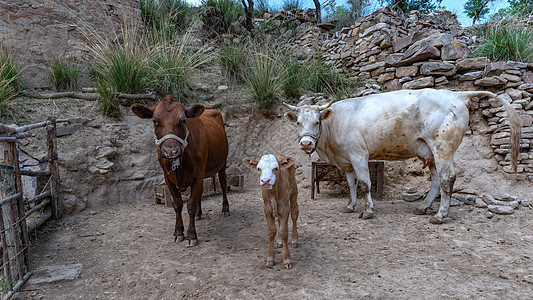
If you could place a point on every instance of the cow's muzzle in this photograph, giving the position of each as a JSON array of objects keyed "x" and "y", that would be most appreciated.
[
  {"x": 171, "y": 151},
  {"x": 308, "y": 143}
]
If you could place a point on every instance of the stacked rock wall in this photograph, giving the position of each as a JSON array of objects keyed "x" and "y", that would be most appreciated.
[{"x": 413, "y": 53}]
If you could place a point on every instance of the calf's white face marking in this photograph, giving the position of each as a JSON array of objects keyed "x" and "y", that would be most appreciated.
[{"x": 268, "y": 166}]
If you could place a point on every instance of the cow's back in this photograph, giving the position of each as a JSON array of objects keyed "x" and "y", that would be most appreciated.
[{"x": 217, "y": 141}]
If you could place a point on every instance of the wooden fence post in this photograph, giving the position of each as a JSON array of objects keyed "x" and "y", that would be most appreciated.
[{"x": 53, "y": 166}]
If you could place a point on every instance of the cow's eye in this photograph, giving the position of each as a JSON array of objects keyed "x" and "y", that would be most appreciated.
[
  {"x": 275, "y": 169},
  {"x": 155, "y": 122},
  {"x": 316, "y": 123},
  {"x": 259, "y": 169},
  {"x": 298, "y": 123}
]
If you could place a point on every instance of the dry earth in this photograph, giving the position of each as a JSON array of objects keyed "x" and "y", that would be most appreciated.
[{"x": 396, "y": 255}]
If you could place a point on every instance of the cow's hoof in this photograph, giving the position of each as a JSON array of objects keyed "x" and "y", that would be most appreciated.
[
  {"x": 366, "y": 215},
  {"x": 270, "y": 264},
  {"x": 349, "y": 209},
  {"x": 279, "y": 244},
  {"x": 294, "y": 244},
  {"x": 191, "y": 243},
  {"x": 435, "y": 220},
  {"x": 288, "y": 266},
  {"x": 420, "y": 211},
  {"x": 226, "y": 213},
  {"x": 178, "y": 238}
]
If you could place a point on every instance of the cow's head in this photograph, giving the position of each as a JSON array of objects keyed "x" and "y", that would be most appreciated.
[
  {"x": 268, "y": 167},
  {"x": 309, "y": 118},
  {"x": 170, "y": 128}
]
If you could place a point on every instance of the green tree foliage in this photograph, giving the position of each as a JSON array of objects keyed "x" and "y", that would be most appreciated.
[
  {"x": 517, "y": 8},
  {"x": 477, "y": 9},
  {"x": 424, "y": 6},
  {"x": 346, "y": 15}
]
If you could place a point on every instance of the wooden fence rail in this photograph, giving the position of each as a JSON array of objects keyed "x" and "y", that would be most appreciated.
[{"x": 16, "y": 213}]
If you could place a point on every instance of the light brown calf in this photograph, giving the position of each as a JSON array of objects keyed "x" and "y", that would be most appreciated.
[{"x": 280, "y": 194}]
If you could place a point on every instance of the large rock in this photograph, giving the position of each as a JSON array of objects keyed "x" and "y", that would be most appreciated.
[
  {"x": 501, "y": 209},
  {"x": 495, "y": 68},
  {"x": 471, "y": 63},
  {"x": 435, "y": 40},
  {"x": 424, "y": 53},
  {"x": 419, "y": 83},
  {"x": 406, "y": 71},
  {"x": 491, "y": 81},
  {"x": 437, "y": 68},
  {"x": 454, "y": 51},
  {"x": 470, "y": 75},
  {"x": 393, "y": 85}
]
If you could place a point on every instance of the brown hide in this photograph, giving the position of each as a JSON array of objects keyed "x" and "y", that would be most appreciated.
[{"x": 204, "y": 156}]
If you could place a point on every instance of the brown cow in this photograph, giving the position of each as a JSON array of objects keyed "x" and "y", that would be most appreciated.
[
  {"x": 191, "y": 145},
  {"x": 280, "y": 194}
]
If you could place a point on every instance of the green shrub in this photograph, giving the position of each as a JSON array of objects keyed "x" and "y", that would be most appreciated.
[
  {"x": 323, "y": 78},
  {"x": 262, "y": 7},
  {"x": 166, "y": 16},
  {"x": 293, "y": 78},
  {"x": 10, "y": 80},
  {"x": 218, "y": 15},
  {"x": 63, "y": 75},
  {"x": 505, "y": 41},
  {"x": 291, "y": 4},
  {"x": 173, "y": 66},
  {"x": 232, "y": 61},
  {"x": 262, "y": 76}
]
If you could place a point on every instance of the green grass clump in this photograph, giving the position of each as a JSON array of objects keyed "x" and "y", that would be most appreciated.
[
  {"x": 323, "y": 78},
  {"x": 63, "y": 75},
  {"x": 263, "y": 76},
  {"x": 505, "y": 41},
  {"x": 218, "y": 15},
  {"x": 291, "y": 4},
  {"x": 232, "y": 61},
  {"x": 167, "y": 17},
  {"x": 10, "y": 80},
  {"x": 293, "y": 77}
]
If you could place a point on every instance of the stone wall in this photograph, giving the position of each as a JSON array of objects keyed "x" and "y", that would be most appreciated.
[
  {"x": 38, "y": 31},
  {"x": 413, "y": 53}
]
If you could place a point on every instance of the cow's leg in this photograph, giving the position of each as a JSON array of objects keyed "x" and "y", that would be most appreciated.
[
  {"x": 199, "y": 209},
  {"x": 351, "y": 179},
  {"x": 224, "y": 187},
  {"x": 433, "y": 191},
  {"x": 294, "y": 215},
  {"x": 272, "y": 230},
  {"x": 360, "y": 169},
  {"x": 177, "y": 204},
  {"x": 191, "y": 239},
  {"x": 284, "y": 234},
  {"x": 447, "y": 179}
]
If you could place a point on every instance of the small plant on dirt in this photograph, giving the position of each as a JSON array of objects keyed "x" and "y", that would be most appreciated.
[
  {"x": 293, "y": 77},
  {"x": 10, "y": 80},
  {"x": 218, "y": 15},
  {"x": 232, "y": 61},
  {"x": 263, "y": 76},
  {"x": 63, "y": 75},
  {"x": 324, "y": 78},
  {"x": 174, "y": 65},
  {"x": 262, "y": 7},
  {"x": 505, "y": 40}
]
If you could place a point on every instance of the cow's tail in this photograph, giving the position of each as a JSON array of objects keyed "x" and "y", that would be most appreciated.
[{"x": 515, "y": 122}]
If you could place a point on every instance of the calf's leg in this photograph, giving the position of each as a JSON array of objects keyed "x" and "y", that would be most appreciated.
[
  {"x": 284, "y": 234},
  {"x": 177, "y": 204},
  {"x": 272, "y": 230},
  {"x": 191, "y": 239},
  {"x": 294, "y": 215}
]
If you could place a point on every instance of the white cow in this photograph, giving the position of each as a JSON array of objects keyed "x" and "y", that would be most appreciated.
[{"x": 428, "y": 124}]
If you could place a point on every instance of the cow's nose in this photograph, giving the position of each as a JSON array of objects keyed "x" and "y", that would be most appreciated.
[
  {"x": 170, "y": 152},
  {"x": 265, "y": 181},
  {"x": 305, "y": 145}
]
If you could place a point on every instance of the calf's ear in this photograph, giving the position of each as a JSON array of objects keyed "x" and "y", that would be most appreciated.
[
  {"x": 250, "y": 163},
  {"x": 291, "y": 116},
  {"x": 142, "y": 111},
  {"x": 194, "y": 110},
  {"x": 325, "y": 114},
  {"x": 285, "y": 161}
]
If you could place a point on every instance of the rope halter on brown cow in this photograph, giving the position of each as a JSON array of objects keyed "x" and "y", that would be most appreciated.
[{"x": 183, "y": 142}]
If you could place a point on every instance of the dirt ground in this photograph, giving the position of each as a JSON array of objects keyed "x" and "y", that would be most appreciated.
[{"x": 127, "y": 253}]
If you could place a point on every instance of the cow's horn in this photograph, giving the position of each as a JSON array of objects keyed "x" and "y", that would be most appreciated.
[
  {"x": 322, "y": 107},
  {"x": 292, "y": 107}
]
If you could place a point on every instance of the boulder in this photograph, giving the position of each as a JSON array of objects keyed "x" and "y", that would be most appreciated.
[
  {"x": 491, "y": 81},
  {"x": 495, "y": 68},
  {"x": 471, "y": 63},
  {"x": 454, "y": 51},
  {"x": 438, "y": 68},
  {"x": 419, "y": 83},
  {"x": 436, "y": 40},
  {"x": 406, "y": 71},
  {"x": 424, "y": 53}
]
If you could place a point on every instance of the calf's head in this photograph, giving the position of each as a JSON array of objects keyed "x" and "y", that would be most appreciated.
[
  {"x": 170, "y": 124},
  {"x": 268, "y": 167},
  {"x": 309, "y": 118}
]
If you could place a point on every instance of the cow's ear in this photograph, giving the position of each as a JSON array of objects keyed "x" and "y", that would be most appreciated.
[
  {"x": 250, "y": 163},
  {"x": 291, "y": 116},
  {"x": 325, "y": 114},
  {"x": 194, "y": 110},
  {"x": 142, "y": 111},
  {"x": 285, "y": 161}
]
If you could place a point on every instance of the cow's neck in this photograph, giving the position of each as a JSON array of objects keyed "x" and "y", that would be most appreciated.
[{"x": 279, "y": 190}]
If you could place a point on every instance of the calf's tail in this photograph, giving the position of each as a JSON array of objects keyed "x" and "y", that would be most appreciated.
[{"x": 515, "y": 122}]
